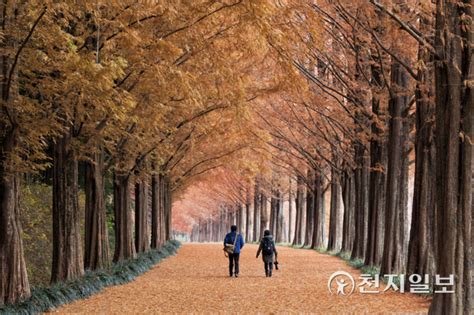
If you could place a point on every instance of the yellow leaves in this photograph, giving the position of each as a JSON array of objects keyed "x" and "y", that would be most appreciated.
[{"x": 168, "y": 50}]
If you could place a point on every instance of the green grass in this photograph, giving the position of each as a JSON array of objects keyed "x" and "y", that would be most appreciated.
[
  {"x": 370, "y": 270},
  {"x": 44, "y": 299}
]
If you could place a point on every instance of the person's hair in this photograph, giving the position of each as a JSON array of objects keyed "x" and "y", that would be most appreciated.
[
  {"x": 266, "y": 233},
  {"x": 233, "y": 228}
]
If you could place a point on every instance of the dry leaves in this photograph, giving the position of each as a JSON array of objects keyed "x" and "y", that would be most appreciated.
[{"x": 196, "y": 280}]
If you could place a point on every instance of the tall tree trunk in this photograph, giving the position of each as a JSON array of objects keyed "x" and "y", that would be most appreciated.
[
  {"x": 403, "y": 197},
  {"x": 124, "y": 247},
  {"x": 348, "y": 193},
  {"x": 68, "y": 261},
  {"x": 454, "y": 158},
  {"x": 256, "y": 209},
  {"x": 393, "y": 255},
  {"x": 272, "y": 211},
  {"x": 233, "y": 215},
  {"x": 362, "y": 157},
  {"x": 319, "y": 216},
  {"x": 162, "y": 209},
  {"x": 156, "y": 215},
  {"x": 247, "y": 216},
  {"x": 168, "y": 204},
  {"x": 308, "y": 235},
  {"x": 378, "y": 151},
  {"x": 377, "y": 189},
  {"x": 421, "y": 245},
  {"x": 361, "y": 182},
  {"x": 275, "y": 212},
  {"x": 290, "y": 210},
  {"x": 280, "y": 219},
  {"x": 96, "y": 254},
  {"x": 14, "y": 285},
  {"x": 239, "y": 216},
  {"x": 263, "y": 214},
  {"x": 335, "y": 213},
  {"x": 299, "y": 210},
  {"x": 200, "y": 231},
  {"x": 142, "y": 243}
]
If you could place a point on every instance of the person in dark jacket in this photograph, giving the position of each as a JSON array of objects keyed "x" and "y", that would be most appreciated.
[
  {"x": 268, "y": 250},
  {"x": 234, "y": 257}
]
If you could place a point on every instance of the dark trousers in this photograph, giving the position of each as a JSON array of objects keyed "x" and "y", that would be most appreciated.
[
  {"x": 268, "y": 263},
  {"x": 234, "y": 261},
  {"x": 268, "y": 268}
]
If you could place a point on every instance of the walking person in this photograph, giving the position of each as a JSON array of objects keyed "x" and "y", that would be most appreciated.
[
  {"x": 268, "y": 250},
  {"x": 233, "y": 243}
]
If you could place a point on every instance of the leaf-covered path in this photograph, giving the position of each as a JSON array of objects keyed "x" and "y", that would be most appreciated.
[{"x": 196, "y": 280}]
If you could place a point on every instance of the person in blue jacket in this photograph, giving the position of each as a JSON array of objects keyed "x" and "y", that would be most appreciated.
[{"x": 234, "y": 257}]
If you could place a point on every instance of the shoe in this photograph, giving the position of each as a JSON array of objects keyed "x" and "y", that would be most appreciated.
[{"x": 236, "y": 275}]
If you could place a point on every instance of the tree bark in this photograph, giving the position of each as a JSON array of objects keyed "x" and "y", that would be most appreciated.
[
  {"x": 162, "y": 203},
  {"x": 348, "y": 193},
  {"x": 299, "y": 210},
  {"x": 319, "y": 215},
  {"x": 142, "y": 242},
  {"x": 168, "y": 203},
  {"x": 68, "y": 261},
  {"x": 361, "y": 182},
  {"x": 247, "y": 216},
  {"x": 454, "y": 158},
  {"x": 335, "y": 215},
  {"x": 377, "y": 189},
  {"x": 361, "y": 155},
  {"x": 308, "y": 235},
  {"x": 14, "y": 285},
  {"x": 275, "y": 204},
  {"x": 256, "y": 209},
  {"x": 156, "y": 215},
  {"x": 239, "y": 216},
  {"x": 393, "y": 254},
  {"x": 264, "y": 214},
  {"x": 290, "y": 211},
  {"x": 124, "y": 247},
  {"x": 280, "y": 219},
  {"x": 96, "y": 255},
  {"x": 421, "y": 245}
]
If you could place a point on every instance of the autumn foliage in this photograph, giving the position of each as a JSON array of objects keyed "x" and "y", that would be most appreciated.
[{"x": 311, "y": 118}]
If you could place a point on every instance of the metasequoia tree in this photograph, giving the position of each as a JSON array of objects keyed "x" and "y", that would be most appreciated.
[
  {"x": 14, "y": 282},
  {"x": 24, "y": 124},
  {"x": 224, "y": 111},
  {"x": 454, "y": 133}
]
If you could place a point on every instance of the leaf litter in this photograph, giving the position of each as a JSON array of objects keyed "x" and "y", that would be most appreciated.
[{"x": 196, "y": 280}]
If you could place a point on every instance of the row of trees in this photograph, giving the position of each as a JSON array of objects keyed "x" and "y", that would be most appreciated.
[
  {"x": 388, "y": 100},
  {"x": 152, "y": 95}
]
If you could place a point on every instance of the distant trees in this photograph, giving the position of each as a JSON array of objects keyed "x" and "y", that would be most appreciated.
[
  {"x": 386, "y": 103},
  {"x": 348, "y": 102},
  {"x": 126, "y": 92}
]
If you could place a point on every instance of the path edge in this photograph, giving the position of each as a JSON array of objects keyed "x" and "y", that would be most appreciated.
[{"x": 44, "y": 299}]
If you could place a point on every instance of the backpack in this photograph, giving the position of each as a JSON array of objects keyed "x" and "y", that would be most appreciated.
[{"x": 268, "y": 246}]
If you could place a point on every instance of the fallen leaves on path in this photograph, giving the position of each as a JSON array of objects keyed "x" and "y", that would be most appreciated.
[{"x": 197, "y": 281}]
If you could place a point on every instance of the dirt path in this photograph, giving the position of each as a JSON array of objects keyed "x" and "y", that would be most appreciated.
[{"x": 196, "y": 280}]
